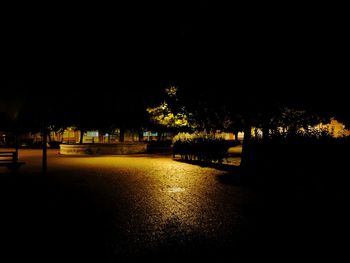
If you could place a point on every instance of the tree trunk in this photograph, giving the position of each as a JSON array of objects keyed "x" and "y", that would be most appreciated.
[
  {"x": 121, "y": 135},
  {"x": 140, "y": 136},
  {"x": 246, "y": 144},
  {"x": 44, "y": 162},
  {"x": 265, "y": 131},
  {"x": 236, "y": 136},
  {"x": 81, "y": 136},
  {"x": 256, "y": 135}
]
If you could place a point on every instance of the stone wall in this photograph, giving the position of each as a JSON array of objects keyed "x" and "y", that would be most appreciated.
[{"x": 104, "y": 149}]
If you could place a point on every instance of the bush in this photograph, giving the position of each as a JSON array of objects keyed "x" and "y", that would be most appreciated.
[
  {"x": 54, "y": 144},
  {"x": 200, "y": 146}
]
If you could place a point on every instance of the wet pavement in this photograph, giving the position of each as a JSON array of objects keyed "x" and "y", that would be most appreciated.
[{"x": 122, "y": 208}]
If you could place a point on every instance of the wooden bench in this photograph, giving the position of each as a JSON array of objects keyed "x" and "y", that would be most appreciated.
[{"x": 10, "y": 160}]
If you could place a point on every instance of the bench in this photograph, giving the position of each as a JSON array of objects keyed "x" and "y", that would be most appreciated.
[{"x": 10, "y": 160}]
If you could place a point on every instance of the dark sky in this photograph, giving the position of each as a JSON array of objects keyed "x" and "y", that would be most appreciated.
[{"x": 136, "y": 50}]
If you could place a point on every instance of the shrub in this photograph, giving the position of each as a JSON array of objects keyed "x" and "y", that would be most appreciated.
[
  {"x": 54, "y": 144},
  {"x": 200, "y": 146}
]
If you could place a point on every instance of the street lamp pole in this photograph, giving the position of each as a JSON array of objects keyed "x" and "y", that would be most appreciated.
[{"x": 44, "y": 163}]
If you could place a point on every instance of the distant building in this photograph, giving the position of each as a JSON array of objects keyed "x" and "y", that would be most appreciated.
[
  {"x": 156, "y": 136},
  {"x": 229, "y": 136},
  {"x": 71, "y": 136}
]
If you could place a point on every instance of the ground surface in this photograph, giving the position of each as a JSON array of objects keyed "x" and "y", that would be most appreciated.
[{"x": 112, "y": 208}]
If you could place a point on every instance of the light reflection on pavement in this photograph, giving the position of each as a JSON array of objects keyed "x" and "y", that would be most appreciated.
[{"x": 150, "y": 202}]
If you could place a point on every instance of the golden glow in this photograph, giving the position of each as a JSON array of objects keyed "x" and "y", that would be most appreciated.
[
  {"x": 335, "y": 128},
  {"x": 175, "y": 189}
]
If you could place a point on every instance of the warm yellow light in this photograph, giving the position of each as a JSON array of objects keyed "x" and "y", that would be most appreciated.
[{"x": 175, "y": 189}]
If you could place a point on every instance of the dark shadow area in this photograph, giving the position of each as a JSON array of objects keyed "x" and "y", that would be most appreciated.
[
  {"x": 163, "y": 147},
  {"x": 237, "y": 155},
  {"x": 218, "y": 166},
  {"x": 237, "y": 177},
  {"x": 49, "y": 220},
  {"x": 302, "y": 197},
  {"x": 68, "y": 217}
]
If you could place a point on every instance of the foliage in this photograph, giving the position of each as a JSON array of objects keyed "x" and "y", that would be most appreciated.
[
  {"x": 56, "y": 129},
  {"x": 200, "y": 146},
  {"x": 171, "y": 113},
  {"x": 297, "y": 157},
  {"x": 163, "y": 115},
  {"x": 290, "y": 122}
]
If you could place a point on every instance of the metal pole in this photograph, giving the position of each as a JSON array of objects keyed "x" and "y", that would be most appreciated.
[
  {"x": 16, "y": 146},
  {"x": 44, "y": 165}
]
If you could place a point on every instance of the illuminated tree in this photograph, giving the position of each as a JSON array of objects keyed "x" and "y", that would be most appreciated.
[{"x": 171, "y": 114}]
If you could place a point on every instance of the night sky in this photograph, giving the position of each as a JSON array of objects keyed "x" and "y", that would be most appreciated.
[{"x": 109, "y": 54}]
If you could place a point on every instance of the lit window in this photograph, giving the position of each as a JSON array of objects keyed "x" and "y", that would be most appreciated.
[{"x": 92, "y": 133}]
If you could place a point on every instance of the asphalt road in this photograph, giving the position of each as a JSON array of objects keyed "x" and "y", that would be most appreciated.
[{"x": 151, "y": 207}]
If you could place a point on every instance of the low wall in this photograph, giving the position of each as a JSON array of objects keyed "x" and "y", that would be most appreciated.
[{"x": 104, "y": 149}]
